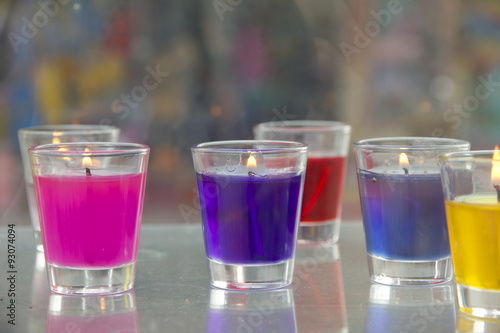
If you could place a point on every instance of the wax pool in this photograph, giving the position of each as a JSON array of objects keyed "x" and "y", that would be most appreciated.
[
  {"x": 249, "y": 220},
  {"x": 404, "y": 216},
  {"x": 90, "y": 222},
  {"x": 474, "y": 225},
  {"x": 323, "y": 187}
]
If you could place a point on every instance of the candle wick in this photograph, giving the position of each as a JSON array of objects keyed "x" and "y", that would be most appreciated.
[
  {"x": 406, "y": 170},
  {"x": 87, "y": 171},
  {"x": 497, "y": 188},
  {"x": 253, "y": 174}
]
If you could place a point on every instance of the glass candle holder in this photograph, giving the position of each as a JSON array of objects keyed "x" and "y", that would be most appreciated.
[
  {"x": 90, "y": 198},
  {"x": 250, "y": 194},
  {"x": 253, "y": 311},
  {"x": 472, "y": 198},
  {"x": 403, "y": 209},
  {"x": 38, "y": 135},
  {"x": 328, "y": 146}
]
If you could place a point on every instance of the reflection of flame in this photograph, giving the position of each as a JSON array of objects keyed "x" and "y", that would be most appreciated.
[
  {"x": 103, "y": 303},
  {"x": 55, "y": 139},
  {"x": 403, "y": 159},
  {"x": 87, "y": 161},
  {"x": 251, "y": 162},
  {"x": 495, "y": 169}
]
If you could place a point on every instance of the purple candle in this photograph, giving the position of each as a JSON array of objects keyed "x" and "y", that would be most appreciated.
[
  {"x": 250, "y": 197},
  {"x": 404, "y": 216},
  {"x": 403, "y": 208},
  {"x": 249, "y": 219}
]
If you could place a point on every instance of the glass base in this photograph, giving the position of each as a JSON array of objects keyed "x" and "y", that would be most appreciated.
[
  {"x": 409, "y": 272},
  {"x": 319, "y": 232},
  {"x": 38, "y": 240},
  {"x": 35, "y": 221},
  {"x": 248, "y": 277},
  {"x": 478, "y": 302},
  {"x": 73, "y": 281}
]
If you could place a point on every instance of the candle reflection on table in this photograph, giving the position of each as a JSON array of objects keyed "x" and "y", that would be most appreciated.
[
  {"x": 96, "y": 314},
  {"x": 395, "y": 309},
  {"x": 318, "y": 289},
  {"x": 251, "y": 311},
  {"x": 469, "y": 324}
]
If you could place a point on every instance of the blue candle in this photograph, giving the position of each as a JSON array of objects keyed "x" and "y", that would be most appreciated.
[
  {"x": 403, "y": 215},
  {"x": 250, "y": 219}
]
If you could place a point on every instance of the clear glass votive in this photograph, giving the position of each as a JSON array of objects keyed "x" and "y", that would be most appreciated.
[
  {"x": 90, "y": 198},
  {"x": 471, "y": 184},
  {"x": 403, "y": 208},
  {"x": 96, "y": 314},
  {"x": 328, "y": 146},
  {"x": 252, "y": 311},
  {"x": 38, "y": 135},
  {"x": 250, "y": 194}
]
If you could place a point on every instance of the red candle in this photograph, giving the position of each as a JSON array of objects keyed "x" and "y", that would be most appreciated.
[
  {"x": 90, "y": 222},
  {"x": 323, "y": 189}
]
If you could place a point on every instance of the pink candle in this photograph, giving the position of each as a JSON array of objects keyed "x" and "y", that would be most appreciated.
[
  {"x": 90, "y": 221},
  {"x": 90, "y": 199}
]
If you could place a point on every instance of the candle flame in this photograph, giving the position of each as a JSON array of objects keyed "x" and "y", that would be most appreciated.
[
  {"x": 403, "y": 159},
  {"x": 87, "y": 161},
  {"x": 56, "y": 140},
  {"x": 495, "y": 169},
  {"x": 251, "y": 162}
]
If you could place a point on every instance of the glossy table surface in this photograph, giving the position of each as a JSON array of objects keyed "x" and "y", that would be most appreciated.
[{"x": 331, "y": 292}]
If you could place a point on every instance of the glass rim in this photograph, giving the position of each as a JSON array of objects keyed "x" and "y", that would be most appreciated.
[
  {"x": 304, "y": 126},
  {"x": 238, "y": 146},
  {"x": 52, "y": 149},
  {"x": 405, "y": 144},
  {"x": 485, "y": 156},
  {"x": 65, "y": 129}
]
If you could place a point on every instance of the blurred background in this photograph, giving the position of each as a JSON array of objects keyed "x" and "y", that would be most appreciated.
[{"x": 172, "y": 73}]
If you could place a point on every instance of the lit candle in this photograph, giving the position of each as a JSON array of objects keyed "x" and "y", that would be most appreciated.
[
  {"x": 90, "y": 212},
  {"x": 403, "y": 208},
  {"x": 403, "y": 212},
  {"x": 249, "y": 217},
  {"x": 473, "y": 221}
]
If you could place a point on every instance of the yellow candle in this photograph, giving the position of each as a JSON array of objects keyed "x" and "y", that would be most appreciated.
[{"x": 474, "y": 230}]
